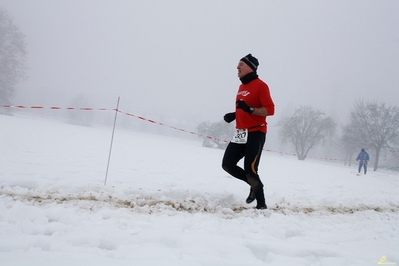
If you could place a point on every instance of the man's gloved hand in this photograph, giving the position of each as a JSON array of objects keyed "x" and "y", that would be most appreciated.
[
  {"x": 229, "y": 117},
  {"x": 244, "y": 106}
]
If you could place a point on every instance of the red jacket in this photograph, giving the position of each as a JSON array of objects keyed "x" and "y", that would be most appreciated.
[{"x": 256, "y": 94}]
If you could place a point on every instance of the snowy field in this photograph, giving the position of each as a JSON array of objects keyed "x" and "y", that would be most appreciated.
[{"x": 168, "y": 202}]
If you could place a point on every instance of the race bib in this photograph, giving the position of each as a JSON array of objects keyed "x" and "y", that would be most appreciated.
[{"x": 241, "y": 136}]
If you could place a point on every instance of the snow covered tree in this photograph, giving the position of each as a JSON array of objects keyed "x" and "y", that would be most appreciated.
[
  {"x": 373, "y": 125},
  {"x": 306, "y": 129},
  {"x": 12, "y": 57},
  {"x": 215, "y": 135}
]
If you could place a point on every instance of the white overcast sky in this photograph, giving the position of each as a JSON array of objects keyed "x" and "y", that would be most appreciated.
[{"x": 179, "y": 58}]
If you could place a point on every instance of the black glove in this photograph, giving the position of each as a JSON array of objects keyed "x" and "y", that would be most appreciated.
[
  {"x": 244, "y": 106},
  {"x": 229, "y": 117}
]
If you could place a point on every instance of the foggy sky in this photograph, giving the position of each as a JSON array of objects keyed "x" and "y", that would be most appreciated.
[{"x": 179, "y": 58}]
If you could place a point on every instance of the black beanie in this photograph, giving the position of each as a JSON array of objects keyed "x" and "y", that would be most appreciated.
[{"x": 251, "y": 61}]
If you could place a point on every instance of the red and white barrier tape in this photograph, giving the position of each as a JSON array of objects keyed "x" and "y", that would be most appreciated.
[
  {"x": 172, "y": 127},
  {"x": 161, "y": 124},
  {"x": 57, "y": 108},
  {"x": 107, "y": 109}
]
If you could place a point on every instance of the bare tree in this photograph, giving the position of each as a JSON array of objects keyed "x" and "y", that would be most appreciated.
[
  {"x": 12, "y": 57},
  {"x": 374, "y": 125},
  {"x": 306, "y": 129}
]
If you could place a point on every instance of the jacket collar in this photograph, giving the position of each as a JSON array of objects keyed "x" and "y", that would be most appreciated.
[{"x": 249, "y": 77}]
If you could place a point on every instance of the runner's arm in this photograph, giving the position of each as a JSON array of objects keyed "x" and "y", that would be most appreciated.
[{"x": 261, "y": 111}]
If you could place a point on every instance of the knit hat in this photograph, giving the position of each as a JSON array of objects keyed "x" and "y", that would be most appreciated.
[{"x": 251, "y": 61}]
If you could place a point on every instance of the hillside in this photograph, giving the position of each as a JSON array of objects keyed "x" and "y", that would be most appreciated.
[{"x": 168, "y": 202}]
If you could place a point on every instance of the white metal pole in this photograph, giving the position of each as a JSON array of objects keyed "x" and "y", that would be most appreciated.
[{"x": 112, "y": 140}]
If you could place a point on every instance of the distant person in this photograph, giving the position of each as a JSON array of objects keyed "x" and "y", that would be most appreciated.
[
  {"x": 253, "y": 104},
  {"x": 363, "y": 159}
]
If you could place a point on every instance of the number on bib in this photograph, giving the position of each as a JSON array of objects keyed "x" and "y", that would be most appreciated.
[{"x": 241, "y": 136}]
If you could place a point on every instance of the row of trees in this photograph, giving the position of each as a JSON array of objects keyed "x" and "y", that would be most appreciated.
[{"x": 372, "y": 125}]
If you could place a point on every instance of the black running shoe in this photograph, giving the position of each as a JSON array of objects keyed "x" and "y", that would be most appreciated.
[
  {"x": 251, "y": 197},
  {"x": 261, "y": 207}
]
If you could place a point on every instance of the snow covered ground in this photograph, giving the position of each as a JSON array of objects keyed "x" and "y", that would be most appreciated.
[{"x": 168, "y": 202}]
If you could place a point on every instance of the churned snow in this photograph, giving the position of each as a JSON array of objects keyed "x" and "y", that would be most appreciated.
[{"x": 168, "y": 202}]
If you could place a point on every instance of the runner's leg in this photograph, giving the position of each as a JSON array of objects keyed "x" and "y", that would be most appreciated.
[
  {"x": 232, "y": 155},
  {"x": 253, "y": 153}
]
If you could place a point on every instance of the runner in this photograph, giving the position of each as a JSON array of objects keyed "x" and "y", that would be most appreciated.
[{"x": 253, "y": 105}]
